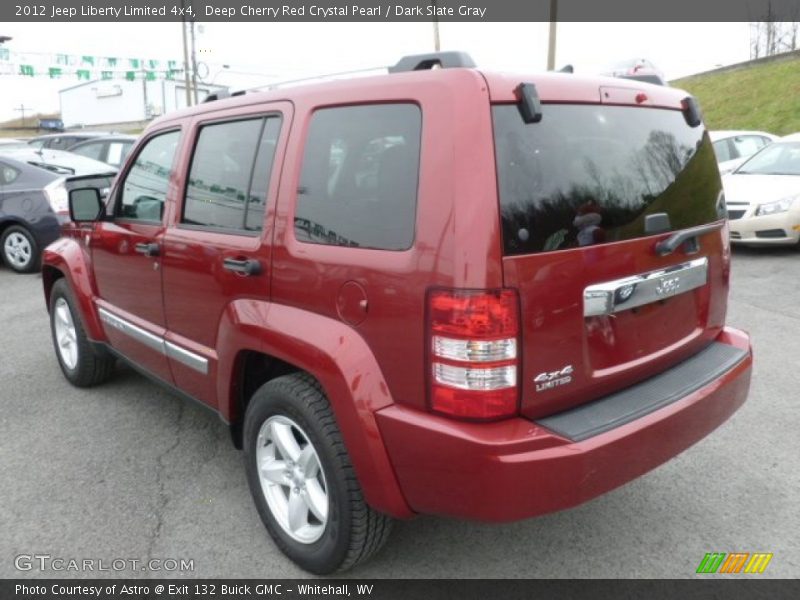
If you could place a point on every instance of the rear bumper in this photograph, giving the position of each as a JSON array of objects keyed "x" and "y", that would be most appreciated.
[{"x": 517, "y": 468}]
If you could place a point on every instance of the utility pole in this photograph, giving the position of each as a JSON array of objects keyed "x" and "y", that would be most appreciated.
[
  {"x": 194, "y": 61},
  {"x": 144, "y": 94},
  {"x": 436, "y": 43},
  {"x": 186, "y": 59},
  {"x": 22, "y": 110},
  {"x": 551, "y": 45}
]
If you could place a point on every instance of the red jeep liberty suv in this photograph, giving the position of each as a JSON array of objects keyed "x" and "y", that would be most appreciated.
[{"x": 436, "y": 291}]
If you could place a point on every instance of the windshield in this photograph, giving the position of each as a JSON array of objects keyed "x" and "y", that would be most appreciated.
[
  {"x": 590, "y": 174},
  {"x": 776, "y": 159}
]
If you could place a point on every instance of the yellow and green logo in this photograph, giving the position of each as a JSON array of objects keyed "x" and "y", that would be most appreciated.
[{"x": 735, "y": 562}]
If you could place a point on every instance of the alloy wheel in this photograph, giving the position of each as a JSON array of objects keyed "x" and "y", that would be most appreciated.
[
  {"x": 292, "y": 479},
  {"x": 17, "y": 249},
  {"x": 66, "y": 337}
]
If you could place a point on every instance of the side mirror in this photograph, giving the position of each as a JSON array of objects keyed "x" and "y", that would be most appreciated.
[{"x": 85, "y": 205}]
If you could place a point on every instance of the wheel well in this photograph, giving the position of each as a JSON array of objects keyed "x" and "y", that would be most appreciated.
[
  {"x": 49, "y": 277},
  {"x": 252, "y": 370},
  {"x": 9, "y": 223}
]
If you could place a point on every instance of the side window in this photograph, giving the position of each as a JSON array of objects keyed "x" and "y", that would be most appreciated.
[
  {"x": 358, "y": 185},
  {"x": 144, "y": 190},
  {"x": 262, "y": 169},
  {"x": 61, "y": 143},
  {"x": 722, "y": 150},
  {"x": 747, "y": 145},
  {"x": 7, "y": 174},
  {"x": 93, "y": 150},
  {"x": 117, "y": 151},
  {"x": 230, "y": 173}
]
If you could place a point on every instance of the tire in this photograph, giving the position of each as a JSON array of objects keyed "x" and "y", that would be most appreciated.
[
  {"x": 81, "y": 363},
  {"x": 349, "y": 531},
  {"x": 20, "y": 250}
]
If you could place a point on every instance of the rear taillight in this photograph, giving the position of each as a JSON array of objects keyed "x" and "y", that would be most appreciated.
[
  {"x": 473, "y": 341},
  {"x": 58, "y": 197}
]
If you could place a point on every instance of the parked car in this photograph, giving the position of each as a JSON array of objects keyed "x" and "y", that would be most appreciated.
[
  {"x": 33, "y": 199},
  {"x": 763, "y": 196},
  {"x": 734, "y": 147},
  {"x": 11, "y": 143},
  {"x": 51, "y": 124},
  {"x": 638, "y": 69},
  {"x": 63, "y": 141},
  {"x": 440, "y": 291},
  {"x": 110, "y": 149}
]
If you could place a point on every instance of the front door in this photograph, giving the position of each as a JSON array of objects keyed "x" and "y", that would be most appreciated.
[
  {"x": 218, "y": 252},
  {"x": 126, "y": 253}
]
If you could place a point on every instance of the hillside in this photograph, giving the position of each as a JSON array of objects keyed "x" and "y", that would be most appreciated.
[
  {"x": 14, "y": 128},
  {"x": 764, "y": 96}
]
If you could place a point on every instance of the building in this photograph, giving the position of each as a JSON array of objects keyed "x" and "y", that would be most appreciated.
[{"x": 122, "y": 101}]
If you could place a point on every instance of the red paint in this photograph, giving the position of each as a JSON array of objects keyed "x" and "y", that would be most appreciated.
[
  {"x": 515, "y": 469},
  {"x": 357, "y": 320}
]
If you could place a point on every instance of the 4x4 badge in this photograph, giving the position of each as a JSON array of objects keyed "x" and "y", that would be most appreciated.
[{"x": 551, "y": 379}]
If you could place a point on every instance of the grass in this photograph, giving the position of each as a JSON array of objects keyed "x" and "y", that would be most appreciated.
[{"x": 763, "y": 97}]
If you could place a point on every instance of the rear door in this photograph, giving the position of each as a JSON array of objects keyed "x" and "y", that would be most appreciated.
[
  {"x": 126, "y": 255},
  {"x": 219, "y": 248},
  {"x": 585, "y": 195}
]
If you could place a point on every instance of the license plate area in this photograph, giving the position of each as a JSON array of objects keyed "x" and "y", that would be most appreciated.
[{"x": 624, "y": 294}]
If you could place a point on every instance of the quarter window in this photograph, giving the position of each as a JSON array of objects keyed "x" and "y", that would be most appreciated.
[
  {"x": 358, "y": 185},
  {"x": 230, "y": 173},
  {"x": 144, "y": 190}
]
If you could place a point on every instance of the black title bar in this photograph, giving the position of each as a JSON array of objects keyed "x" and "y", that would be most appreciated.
[{"x": 398, "y": 10}]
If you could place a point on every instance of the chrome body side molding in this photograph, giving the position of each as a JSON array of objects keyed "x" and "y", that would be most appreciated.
[{"x": 154, "y": 342}]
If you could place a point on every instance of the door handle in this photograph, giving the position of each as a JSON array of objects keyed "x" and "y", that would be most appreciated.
[
  {"x": 248, "y": 266},
  {"x": 148, "y": 249}
]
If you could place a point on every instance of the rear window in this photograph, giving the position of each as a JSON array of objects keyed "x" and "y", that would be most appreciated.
[{"x": 590, "y": 174}]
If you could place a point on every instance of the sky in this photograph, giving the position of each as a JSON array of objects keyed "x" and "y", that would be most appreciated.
[{"x": 260, "y": 53}]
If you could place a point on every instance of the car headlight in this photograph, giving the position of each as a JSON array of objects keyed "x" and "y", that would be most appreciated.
[{"x": 773, "y": 208}]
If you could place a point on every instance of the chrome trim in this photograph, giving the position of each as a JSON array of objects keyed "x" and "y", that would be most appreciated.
[
  {"x": 140, "y": 335},
  {"x": 184, "y": 356},
  {"x": 154, "y": 342},
  {"x": 631, "y": 292}
]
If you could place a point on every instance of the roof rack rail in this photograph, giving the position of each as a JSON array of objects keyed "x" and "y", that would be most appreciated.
[
  {"x": 218, "y": 95},
  {"x": 442, "y": 60},
  {"x": 416, "y": 62},
  {"x": 222, "y": 94}
]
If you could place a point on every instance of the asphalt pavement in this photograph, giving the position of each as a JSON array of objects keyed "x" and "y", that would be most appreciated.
[{"x": 128, "y": 472}]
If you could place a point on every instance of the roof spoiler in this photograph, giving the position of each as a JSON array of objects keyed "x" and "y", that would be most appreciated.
[{"x": 433, "y": 60}]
